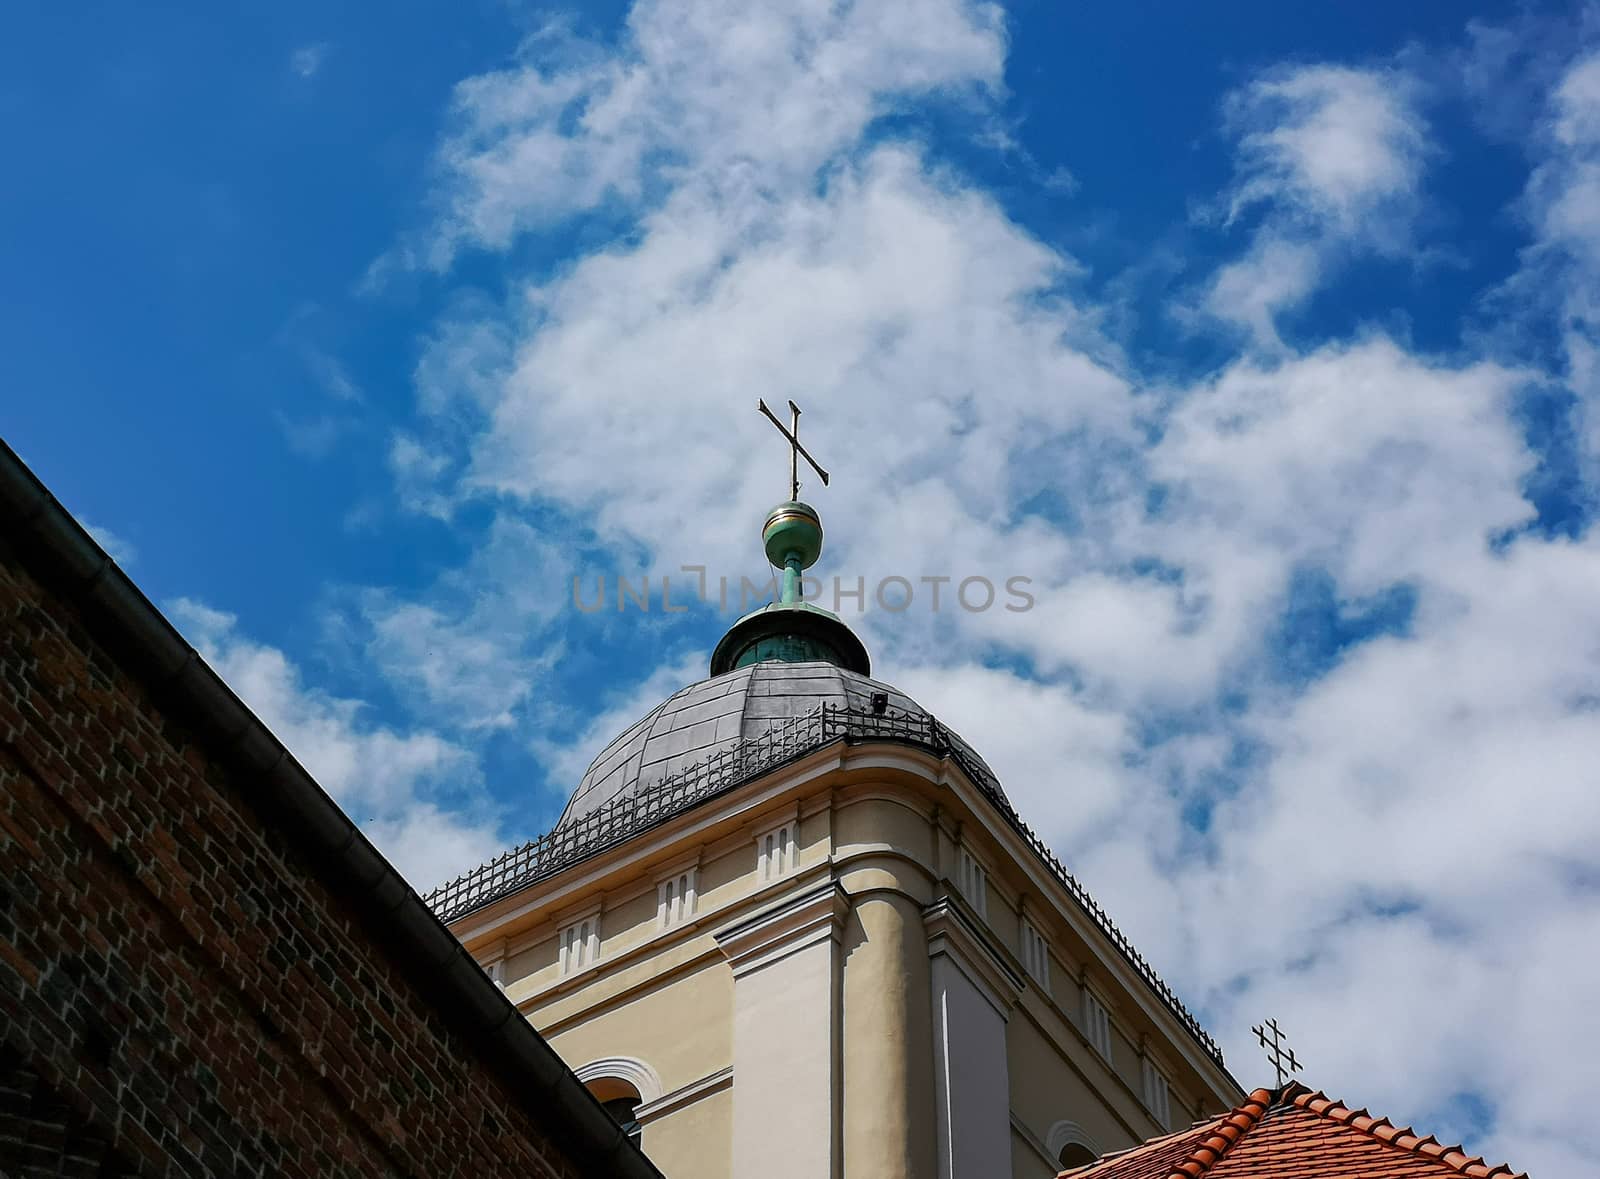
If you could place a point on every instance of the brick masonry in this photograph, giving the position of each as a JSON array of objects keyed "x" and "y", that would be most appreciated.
[{"x": 180, "y": 992}]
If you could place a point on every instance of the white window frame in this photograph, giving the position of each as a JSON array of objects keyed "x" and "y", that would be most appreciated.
[
  {"x": 1036, "y": 955},
  {"x": 579, "y": 943},
  {"x": 778, "y": 850},
  {"x": 676, "y": 897},
  {"x": 972, "y": 878},
  {"x": 1157, "y": 1092},
  {"x": 1097, "y": 1023}
]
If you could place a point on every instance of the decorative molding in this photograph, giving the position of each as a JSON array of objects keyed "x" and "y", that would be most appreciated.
[
  {"x": 685, "y": 1095},
  {"x": 624, "y": 1068},
  {"x": 960, "y": 937},
  {"x": 677, "y": 893},
  {"x": 758, "y": 941},
  {"x": 1035, "y": 953},
  {"x": 1064, "y": 1134},
  {"x": 1096, "y": 1019},
  {"x": 1156, "y": 1091},
  {"x": 578, "y": 944},
  {"x": 972, "y": 878},
  {"x": 778, "y": 849}
]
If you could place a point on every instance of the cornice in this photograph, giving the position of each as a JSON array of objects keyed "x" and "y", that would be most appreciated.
[
  {"x": 955, "y": 934},
  {"x": 813, "y": 916},
  {"x": 685, "y": 1095},
  {"x": 696, "y": 825}
]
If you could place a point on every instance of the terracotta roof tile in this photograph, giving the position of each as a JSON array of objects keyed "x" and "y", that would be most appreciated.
[{"x": 1295, "y": 1133}]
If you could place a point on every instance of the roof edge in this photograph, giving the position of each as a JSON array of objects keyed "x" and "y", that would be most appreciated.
[
  {"x": 1227, "y": 1130},
  {"x": 55, "y": 547},
  {"x": 1400, "y": 1137}
]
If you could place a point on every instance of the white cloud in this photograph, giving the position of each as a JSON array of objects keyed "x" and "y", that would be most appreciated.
[
  {"x": 1561, "y": 268},
  {"x": 1339, "y": 149},
  {"x": 1376, "y": 837},
  {"x": 468, "y": 653},
  {"x": 1273, "y": 277},
  {"x": 415, "y": 794},
  {"x": 736, "y": 96},
  {"x": 1332, "y": 157}
]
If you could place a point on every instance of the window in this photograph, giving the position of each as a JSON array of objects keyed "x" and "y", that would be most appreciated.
[
  {"x": 580, "y": 944},
  {"x": 621, "y": 1100},
  {"x": 1096, "y": 1024},
  {"x": 623, "y": 1085},
  {"x": 1036, "y": 956},
  {"x": 675, "y": 898},
  {"x": 1070, "y": 1146},
  {"x": 1075, "y": 1154},
  {"x": 777, "y": 852},
  {"x": 496, "y": 971},
  {"x": 973, "y": 881},
  {"x": 1155, "y": 1092}
]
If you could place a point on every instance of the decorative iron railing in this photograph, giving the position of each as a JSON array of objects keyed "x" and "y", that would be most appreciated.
[{"x": 623, "y": 817}]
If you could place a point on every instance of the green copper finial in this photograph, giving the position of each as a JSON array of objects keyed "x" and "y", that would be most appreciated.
[
  {"x": 792, "y": 534},
  {"x": 792, "y": 537},
  {"x": 791, "y": 630}
]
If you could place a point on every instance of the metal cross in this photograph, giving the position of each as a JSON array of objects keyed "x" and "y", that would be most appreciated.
[
  {"x": 792, "y": 433},
  {"x": 1280, "y": 1056}
]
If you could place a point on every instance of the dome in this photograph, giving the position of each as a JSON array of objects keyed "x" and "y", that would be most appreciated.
[{"x": 715, "y": 714}]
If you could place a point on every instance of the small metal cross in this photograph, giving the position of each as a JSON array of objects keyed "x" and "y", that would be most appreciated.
[
  {"x": 1280, "y": 1055},
  {"x": 792, "y": 433}
]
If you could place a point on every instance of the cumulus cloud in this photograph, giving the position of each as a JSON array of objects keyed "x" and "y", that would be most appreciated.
[
  {"x": 1379, "y": 828},
  {"x": 470, "y": 653},
  {"x": 1561, "y": 268},
  {"x": 415, "y": 794},
  {"x": 1330, "y": 146},
  {"x": 738, "y": 96},
  {"x": 1331, "y": 159}
]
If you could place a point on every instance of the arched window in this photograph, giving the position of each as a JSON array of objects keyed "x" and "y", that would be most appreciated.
[
  {"x": 1070, "y": 1146},
  {"x": 622, "y": 1084},
  {"x": 1075, "y": 1154},
  {"x": 621, "y": 1100}
]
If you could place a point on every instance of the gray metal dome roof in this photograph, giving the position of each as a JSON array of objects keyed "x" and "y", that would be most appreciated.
[{"x": 715, "y": 714}]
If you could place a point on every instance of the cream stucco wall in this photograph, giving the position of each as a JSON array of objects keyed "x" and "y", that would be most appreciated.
[{"x": 833, "y": 971}]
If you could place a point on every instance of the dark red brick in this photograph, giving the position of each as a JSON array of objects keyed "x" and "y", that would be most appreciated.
[{"x": 180, "y": 994}]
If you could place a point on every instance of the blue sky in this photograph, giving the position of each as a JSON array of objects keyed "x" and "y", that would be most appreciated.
[{"x": 1260, "y": 338}]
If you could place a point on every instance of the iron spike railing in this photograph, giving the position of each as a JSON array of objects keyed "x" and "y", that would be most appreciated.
[{"x": 625, "y": 816}]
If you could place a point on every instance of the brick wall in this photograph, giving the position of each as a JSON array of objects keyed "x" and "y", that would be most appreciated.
[{"x": 179, "y": 994}]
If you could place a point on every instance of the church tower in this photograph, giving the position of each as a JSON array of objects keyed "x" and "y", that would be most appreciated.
[{"x": 790, "y": 926}]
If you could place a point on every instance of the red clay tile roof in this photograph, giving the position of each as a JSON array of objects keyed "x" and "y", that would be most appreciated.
[{"x": 1293, "y": 1134}]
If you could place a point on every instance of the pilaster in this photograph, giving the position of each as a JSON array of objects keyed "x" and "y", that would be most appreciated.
[
  {"x": 786, "y": 1061},
  {"x": 974, "y": 990}
]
